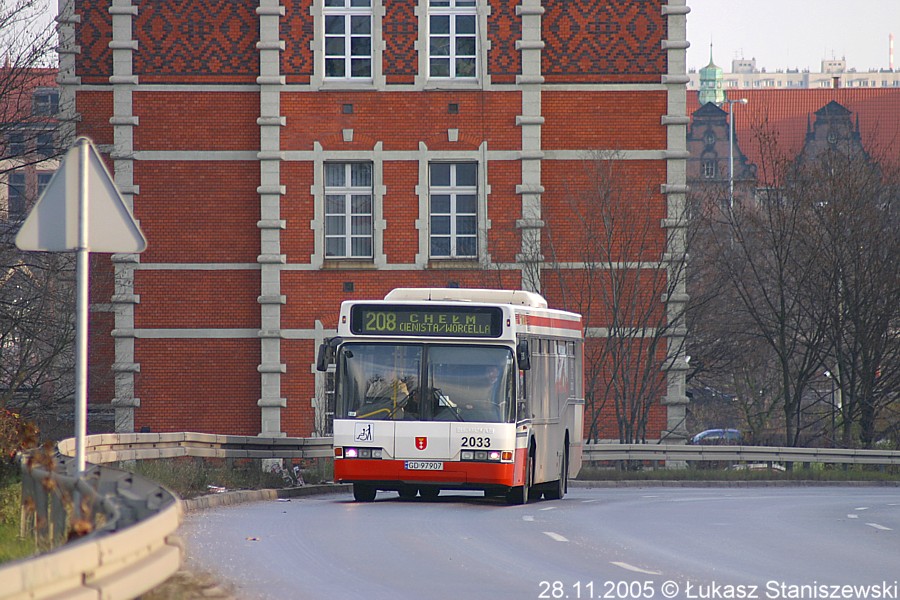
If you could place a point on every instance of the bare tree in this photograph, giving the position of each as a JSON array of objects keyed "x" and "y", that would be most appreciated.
[
  {"x": 610, "y": 264},
  {"x": 767, "y": 253},
  {"x": 807, "y": 280},
  {"x": 853, "y": 200}
]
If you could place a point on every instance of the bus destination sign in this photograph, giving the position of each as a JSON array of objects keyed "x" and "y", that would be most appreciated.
[{"x": 434, "y": 321}]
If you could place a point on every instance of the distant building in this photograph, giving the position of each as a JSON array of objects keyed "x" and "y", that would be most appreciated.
[
  {"x": 709, "y": 167},
  {"x": 834, "y": 74},
  {"x": 28, "y": 144},
  {"x": 711, "y": 77},
  {"x": 804, "y": 123}
]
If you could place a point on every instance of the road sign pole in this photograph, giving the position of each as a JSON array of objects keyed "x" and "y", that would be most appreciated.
[
  {"x": 81, "y": 310},
  {"x": 59, "y": 222}
]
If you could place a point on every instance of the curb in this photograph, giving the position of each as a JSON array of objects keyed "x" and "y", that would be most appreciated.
[{"x": 243, "y": 496}]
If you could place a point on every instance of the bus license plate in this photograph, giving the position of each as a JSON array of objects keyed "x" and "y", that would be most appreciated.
[{"x": 424, "y": 465}]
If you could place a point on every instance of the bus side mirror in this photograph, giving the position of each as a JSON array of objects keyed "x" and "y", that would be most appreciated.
[
  {"x": 523, "y": 355},
  {"x": 326, "y": 353}
]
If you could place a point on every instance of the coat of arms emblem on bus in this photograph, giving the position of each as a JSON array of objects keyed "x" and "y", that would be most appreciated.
[{"x": 421, "y": 442}]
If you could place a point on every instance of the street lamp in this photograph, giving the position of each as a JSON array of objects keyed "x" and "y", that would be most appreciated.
[{"x": 731, "y": 150}]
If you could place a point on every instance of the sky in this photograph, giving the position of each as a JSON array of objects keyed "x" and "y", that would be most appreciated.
[{"x": 790, "y": 34}]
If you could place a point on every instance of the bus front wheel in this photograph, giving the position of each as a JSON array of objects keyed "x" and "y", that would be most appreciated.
[
  {"x": 363, "y": 492},
  {"x": 519, "y": 495}
]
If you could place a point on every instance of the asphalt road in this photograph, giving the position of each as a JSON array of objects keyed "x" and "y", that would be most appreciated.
[{"x": 653, "y": 542}]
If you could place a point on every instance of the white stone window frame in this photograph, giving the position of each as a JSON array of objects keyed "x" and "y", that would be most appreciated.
[
  {"x": 317, "y": 190},
  {"x": 318, "y": 79},
  {"x": 423, "y": 224},
  {"x": 348, "y": 191},
  {"x": 482, "y": 47}
]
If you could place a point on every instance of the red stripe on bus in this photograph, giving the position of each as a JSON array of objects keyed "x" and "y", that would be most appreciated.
[
  {"x": 475, "y": 473},
  {"x": 536, "y": 321}
]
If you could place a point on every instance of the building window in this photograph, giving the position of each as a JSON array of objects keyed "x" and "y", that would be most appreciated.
[
  {"x": 16, "y": 183},
  {"x": 452, "y": 39},
  {"x": 45, "y": 102},
  {"x": 348, "y": 39},
  {"x": 709, "y": 169},
  {"x": 453, "y": 195},
  {"x": 43, "y": 180},
  {"x": 44, "y": 145},
  {"x": 348, "y": 210},
  {"x": 15, "y": 145}
]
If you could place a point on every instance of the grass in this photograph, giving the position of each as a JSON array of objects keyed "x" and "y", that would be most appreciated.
[
  {"x": 12, "y": 546},
  {"x": 192, "y": 477}
]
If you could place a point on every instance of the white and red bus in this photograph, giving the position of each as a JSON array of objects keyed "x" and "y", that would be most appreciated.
[{"x": 456, "y": 389}]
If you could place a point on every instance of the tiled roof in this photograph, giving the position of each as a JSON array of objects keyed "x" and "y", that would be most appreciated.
[{"x": 788, "y": 112}]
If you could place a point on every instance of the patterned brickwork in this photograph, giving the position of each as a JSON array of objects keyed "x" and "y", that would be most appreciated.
[
  {"x": 504, "y": 29},
  {"x": 297, "y": 33},
  {"x": 203, "y": 385},
  {"x": 210, "y": 41},
  {"x": 400, "y": 30},
  {"x": 590, "y": 41},
  {"x": 94, "y": 33}
]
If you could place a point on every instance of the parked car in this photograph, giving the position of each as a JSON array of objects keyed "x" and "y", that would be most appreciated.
[{"x": 719, "y": 437}]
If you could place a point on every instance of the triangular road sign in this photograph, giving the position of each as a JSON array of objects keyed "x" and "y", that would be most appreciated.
[{"x": 52, "y": 225}]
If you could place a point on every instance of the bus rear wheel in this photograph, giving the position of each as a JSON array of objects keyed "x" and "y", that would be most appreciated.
[
  {"x": 363, "y": 492},
  {"x": 557, "y": 489}
]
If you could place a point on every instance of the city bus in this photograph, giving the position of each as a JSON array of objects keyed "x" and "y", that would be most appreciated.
[{"x": 449, "y": 388}]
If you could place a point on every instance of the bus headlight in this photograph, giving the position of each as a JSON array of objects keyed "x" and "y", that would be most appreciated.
[
  {"x": 486, "y": 455},
  {"x": 360, "y": 453}
]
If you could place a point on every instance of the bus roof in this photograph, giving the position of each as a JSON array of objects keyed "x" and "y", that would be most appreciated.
[{"x": 517, "y": 297}]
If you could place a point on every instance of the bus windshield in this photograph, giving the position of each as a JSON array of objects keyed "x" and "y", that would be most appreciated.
[{"x": 425, "y": 382}]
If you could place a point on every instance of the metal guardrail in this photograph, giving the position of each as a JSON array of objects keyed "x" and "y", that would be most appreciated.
[
  {"x": 139, "y": 554},
  {"x": 133, "y": 546},
  {"x": 116, "y": 530},
  {"x": 744, "y": 454}
]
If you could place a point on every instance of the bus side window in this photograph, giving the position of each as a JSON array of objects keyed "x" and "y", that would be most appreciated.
[{"x": 522, "y": 406}]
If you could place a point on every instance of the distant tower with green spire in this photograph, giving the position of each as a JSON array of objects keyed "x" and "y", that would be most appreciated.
[{"x": 711, "y": 81}]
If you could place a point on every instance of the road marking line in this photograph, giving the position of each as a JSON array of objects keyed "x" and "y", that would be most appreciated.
[
  {"x": 627, "y": 567},
  {"x": 555, "y": 536},
  {"x": 528, "y": 518},
  {"x": 877, "y": 526},
  {"x": 862, "y": 508},
  {"x": 852, "y": 516},
  {"x": 549, "y": 508},
  {"x": 589, "y": 501}
]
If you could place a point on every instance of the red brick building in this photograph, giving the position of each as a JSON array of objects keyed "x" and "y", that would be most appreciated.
[{"x": 284, "y": 155}]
